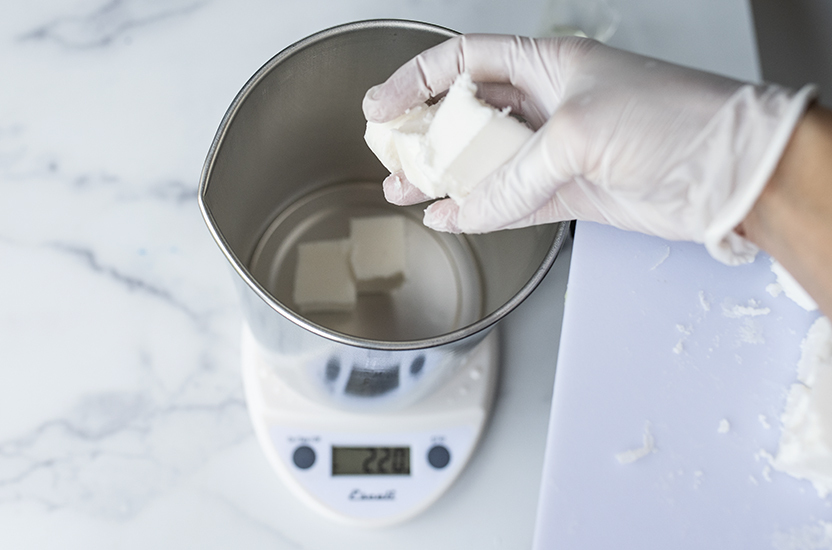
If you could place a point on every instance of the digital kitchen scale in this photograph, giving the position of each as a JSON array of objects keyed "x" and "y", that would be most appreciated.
[
  {"x": 370, "y": 414},
  {"x": 370, "y": 469}
]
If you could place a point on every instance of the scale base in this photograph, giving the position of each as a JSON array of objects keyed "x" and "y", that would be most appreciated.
[{"x": 438, "y": 435}]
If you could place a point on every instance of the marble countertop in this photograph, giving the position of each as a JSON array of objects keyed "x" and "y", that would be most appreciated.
[{"x": 122, "y": 417}]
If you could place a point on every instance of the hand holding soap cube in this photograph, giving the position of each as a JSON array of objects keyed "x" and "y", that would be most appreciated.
[
  {"x": 620, "y": 139},
  {"x": 447, "y": 148}
]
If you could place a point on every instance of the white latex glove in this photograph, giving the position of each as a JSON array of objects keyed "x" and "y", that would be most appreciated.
[{"x": 623, "y": 139}]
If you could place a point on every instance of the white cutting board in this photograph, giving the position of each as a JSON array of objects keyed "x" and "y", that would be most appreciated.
[{"x": 631, "y": 300}]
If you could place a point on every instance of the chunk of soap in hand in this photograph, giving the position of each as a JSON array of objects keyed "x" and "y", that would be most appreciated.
[
  {"x": 378, "y": 252},
  {"x": 323, "y": 280},
  {"x": 446, "y": 149}
]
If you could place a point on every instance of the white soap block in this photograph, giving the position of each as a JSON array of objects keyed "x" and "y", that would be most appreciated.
[
  {"x": 805, "y": 449},
  {"x": 380, "y": 137},
  {"x": 448, "y": 148},
  {"x": 323, "y": 279},
  {"x": 493, "y": 146},
  {"x": 378, "y": 252}
]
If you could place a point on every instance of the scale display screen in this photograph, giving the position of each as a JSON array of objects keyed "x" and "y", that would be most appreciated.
[{"x": 352, "y": 461}]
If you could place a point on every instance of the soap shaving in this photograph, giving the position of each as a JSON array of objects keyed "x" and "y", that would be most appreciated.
[
  {"x": 648, "y": 446},
  {"x": 753, "y": 309},
  {"x": 703, "y": 301},
  {"x": 679, "y": 347},
  {"x": 664, "y": 257},
  {"x": 791, "y": 288}
]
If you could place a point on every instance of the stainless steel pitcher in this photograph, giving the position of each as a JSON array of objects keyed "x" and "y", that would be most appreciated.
[{"x": 289, "y": 165}]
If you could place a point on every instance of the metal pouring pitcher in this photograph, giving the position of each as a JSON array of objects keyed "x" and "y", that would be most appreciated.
[{"x": 289, "y": 165}]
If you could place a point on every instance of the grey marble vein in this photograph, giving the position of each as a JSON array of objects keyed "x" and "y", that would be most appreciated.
[
  {"x": 110, "y": 21},
  {"x": 106, "y": 455},
  {"x": 131, "y": 282},
  {"x": 177, "y": 192}
]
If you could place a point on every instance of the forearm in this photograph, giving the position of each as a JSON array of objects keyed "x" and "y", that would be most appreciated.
[{"x": 792, "y": 219}]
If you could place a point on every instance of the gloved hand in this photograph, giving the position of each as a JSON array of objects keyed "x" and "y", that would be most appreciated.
[{"x": 621, "y": 139}]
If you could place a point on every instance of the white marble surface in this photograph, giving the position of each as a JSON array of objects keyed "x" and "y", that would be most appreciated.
[{"x": 122, "y": 419}]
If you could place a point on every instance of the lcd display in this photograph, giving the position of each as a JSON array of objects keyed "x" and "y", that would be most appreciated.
[{"x": 357, "y": 461}]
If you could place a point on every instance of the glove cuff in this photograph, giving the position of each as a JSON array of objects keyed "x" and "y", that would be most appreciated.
[{"x": 721, "y": 241}]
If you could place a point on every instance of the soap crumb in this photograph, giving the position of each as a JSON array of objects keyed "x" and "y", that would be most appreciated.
[
  {"x": 698, "y": 476},
  {"x": 706, "y": 305},
  {"x": 630, "y": 456},
  {"x": 724, "y": 426},
  {"x": 762, "y": 454},
  {"x": 680, "y": 345},
  {"x": 664, "y": 257},
  {"x": 764, "y": 421},
  {"x": 774, "y": 289},
  {"x": 753, "y": 309}
]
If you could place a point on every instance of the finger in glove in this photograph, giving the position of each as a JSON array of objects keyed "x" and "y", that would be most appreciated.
[
  {"x": 442, "y": 215},
  {"x": 399, "y": 191}
]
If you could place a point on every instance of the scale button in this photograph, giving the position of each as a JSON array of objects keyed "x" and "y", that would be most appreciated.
[
  {"x": 439, "y": 456},
  {"x": 304, "y": 457}
]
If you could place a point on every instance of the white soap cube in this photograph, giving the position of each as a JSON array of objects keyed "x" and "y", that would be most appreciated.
[
  {"x": 323, "y": 279},
  {"x": 450, "y": 147},
  {"x": 380, "y": 136},
  {"x": 378, "y": 252}
]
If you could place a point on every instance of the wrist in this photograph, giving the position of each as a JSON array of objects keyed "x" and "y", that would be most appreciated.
[{"x": 792, "y": 218}]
